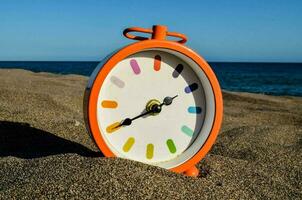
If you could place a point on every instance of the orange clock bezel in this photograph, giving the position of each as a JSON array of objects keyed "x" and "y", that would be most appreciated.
[{"x": 144, "y": 45}]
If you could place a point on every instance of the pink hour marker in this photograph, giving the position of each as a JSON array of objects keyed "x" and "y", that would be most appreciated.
[{"x": 135, "y": 66}]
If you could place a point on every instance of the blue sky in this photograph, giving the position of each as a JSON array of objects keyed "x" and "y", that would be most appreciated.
[{"x": 74, "y": 30}]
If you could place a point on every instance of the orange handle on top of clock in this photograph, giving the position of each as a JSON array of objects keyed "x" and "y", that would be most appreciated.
[{"x": 158, "y": 32}]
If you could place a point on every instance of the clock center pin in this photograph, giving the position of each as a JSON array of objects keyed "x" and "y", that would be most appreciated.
[{"x": 154, "y": 105}]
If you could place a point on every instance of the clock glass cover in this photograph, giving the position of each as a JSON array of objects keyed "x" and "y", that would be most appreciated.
[{"x": 176, "y": 132}]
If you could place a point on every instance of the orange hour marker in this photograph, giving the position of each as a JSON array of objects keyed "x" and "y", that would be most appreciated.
[
  {"x": 109, "y": 104},
  {"x": 113, "y": 127},
  {"x": 157, "y": 62}
]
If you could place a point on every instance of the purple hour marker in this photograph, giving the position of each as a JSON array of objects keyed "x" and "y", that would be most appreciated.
[
  {"x": 135, "y": 66},
  {"x": 191, "y": 87}
]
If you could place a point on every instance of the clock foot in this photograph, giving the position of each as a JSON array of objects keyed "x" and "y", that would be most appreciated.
[{"x": 193, "y": 171}]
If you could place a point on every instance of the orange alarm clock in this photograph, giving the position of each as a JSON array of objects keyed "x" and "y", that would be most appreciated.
[{"x": 154, "y": 101}]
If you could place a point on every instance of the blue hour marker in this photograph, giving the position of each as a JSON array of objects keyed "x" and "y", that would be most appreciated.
[
  {"x": 194, "y": 110},
  {"x": 191, "y": 88}
]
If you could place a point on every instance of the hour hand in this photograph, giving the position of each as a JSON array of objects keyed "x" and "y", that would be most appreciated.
[
  {"x": 168, "y": 100},
  {"x": 151, "y": 108}
]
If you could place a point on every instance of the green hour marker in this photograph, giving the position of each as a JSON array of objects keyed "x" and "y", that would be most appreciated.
[
  {"x": 128, "y": 144},
  {"x": 186, "y": 130},
  {"x": 171, "y": 146},
  {"x": 150, "y": 150}
]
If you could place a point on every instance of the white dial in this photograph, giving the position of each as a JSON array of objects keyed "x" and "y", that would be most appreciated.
[{"x": 167, "y": 136}]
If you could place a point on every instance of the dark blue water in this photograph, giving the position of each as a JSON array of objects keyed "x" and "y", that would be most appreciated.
[{"x": 266, "y": 78}]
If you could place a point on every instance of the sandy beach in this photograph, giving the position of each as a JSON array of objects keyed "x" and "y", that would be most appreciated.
[{"x": 46, "y": 153}]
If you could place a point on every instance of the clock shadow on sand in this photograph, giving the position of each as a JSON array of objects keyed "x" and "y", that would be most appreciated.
[{"x": 23, "y": 141}]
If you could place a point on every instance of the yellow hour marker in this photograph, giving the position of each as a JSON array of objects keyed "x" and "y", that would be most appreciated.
[
  {"x": 150, "y": 150},
  {"x": 128, "y": 144},
  {"x": 109, "y": 104},
  {"x": 113, "y": 127}
]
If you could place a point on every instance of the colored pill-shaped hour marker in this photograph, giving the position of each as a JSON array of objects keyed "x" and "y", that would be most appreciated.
[
  {"x": 194, "y": 110},
  {"x": 128, "y": 144},
  {"x": 149, "y": 151},
  {"x": 135, "y": 67},
  {"x": 157, "y": 63},
  {"x": 118, "y": 82},
  {"x": 109, "y": 104},
  {"x": 177, "y": 70},
  {"x": 186, "y": 130},
  {"x": 171, "y": 146},
  {"x": 113, "y": 127},
  {"x": 191, "y": 88}
]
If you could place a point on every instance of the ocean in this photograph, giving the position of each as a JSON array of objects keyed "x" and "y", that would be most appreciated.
[{"x": 265, "y": 78}]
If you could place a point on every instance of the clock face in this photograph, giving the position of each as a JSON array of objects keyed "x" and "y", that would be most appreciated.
[{"x": 167, "y": 138}]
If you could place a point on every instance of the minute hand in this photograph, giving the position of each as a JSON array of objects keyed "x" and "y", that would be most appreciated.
[
  {"x": 156, "y": 109},
  {"x": 128, "y": 121},
  {"x": 143, "y": 114}
]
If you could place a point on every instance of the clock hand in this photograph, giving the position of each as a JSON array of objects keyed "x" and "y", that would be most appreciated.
[
  {"x": 168, "y": 100},
  {"x": 128, "y": 121},
  {"x": 155, "y": 109}
]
